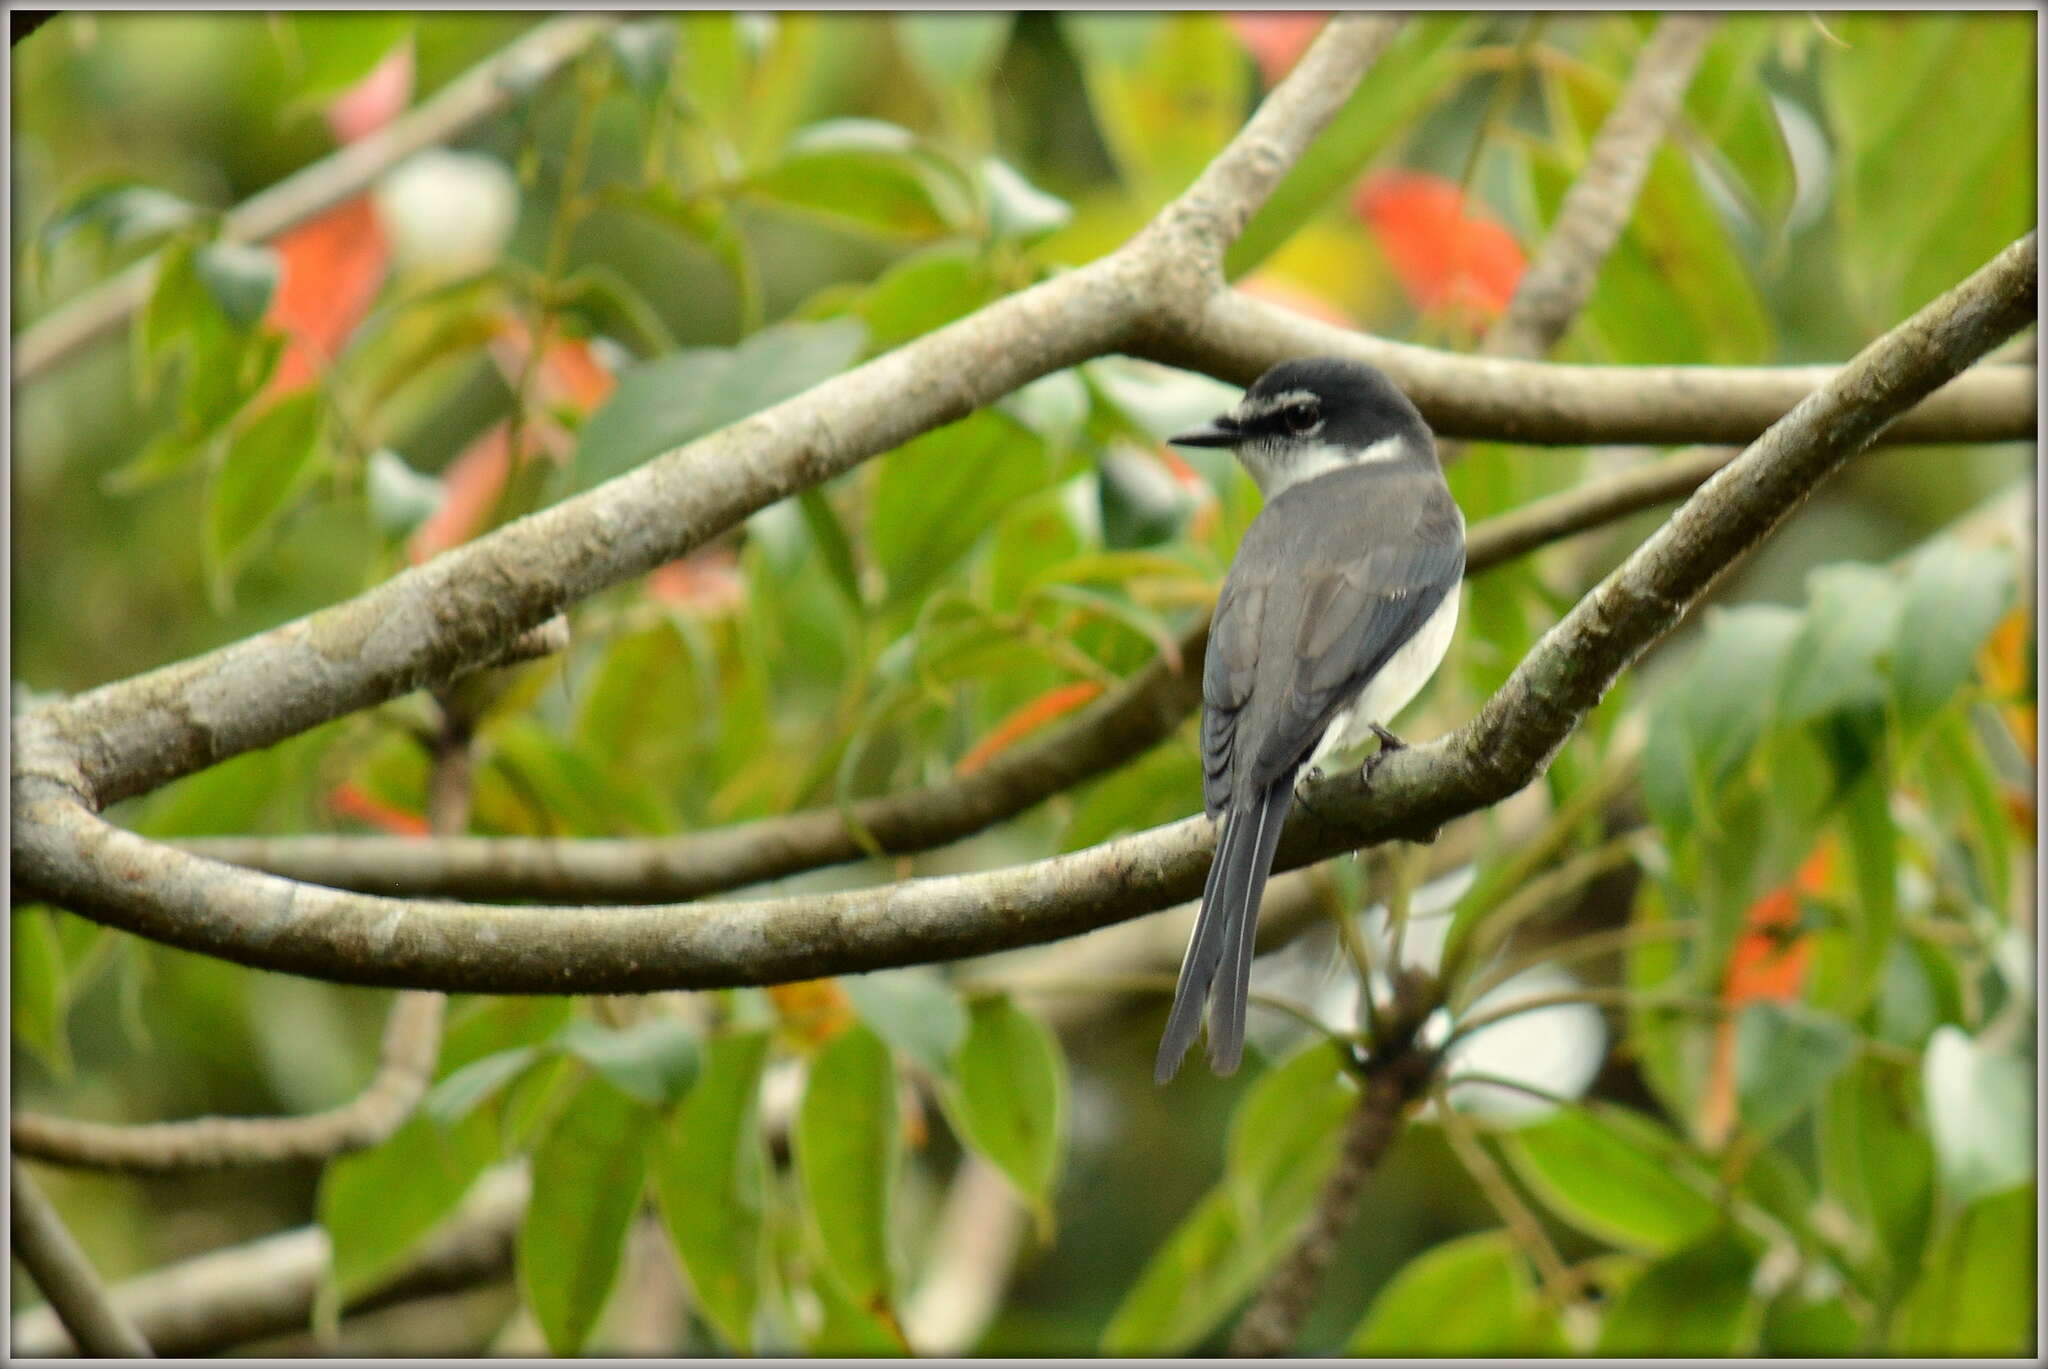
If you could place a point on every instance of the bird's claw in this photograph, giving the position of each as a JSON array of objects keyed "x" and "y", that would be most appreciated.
[
  {"x": 1310, "y": 775},
  {"x": 1389, "y": 743}
]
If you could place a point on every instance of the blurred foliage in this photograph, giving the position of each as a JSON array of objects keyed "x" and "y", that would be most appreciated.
[{"x": 710, "y": 212}]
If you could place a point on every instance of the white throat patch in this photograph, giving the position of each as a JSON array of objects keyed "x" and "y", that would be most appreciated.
[{"x": 1299, "y": 461}]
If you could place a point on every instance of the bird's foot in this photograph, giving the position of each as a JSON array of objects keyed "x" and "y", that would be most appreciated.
[
  {"x": 1310, "y": 775},
  {"x": 1389, "y": 743}
]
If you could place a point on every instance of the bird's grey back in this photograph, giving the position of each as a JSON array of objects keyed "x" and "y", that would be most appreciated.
[{"x": 1331, "y": 578}]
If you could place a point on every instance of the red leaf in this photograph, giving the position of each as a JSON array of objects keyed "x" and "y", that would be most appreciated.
[
  {"x": 349, "y": 800},
  {"x": 375, "y": 100},
  {"x": 1054, "y": 703},
  {"x": 1276, "y": 38},
  {"x": 330, "y": 268},
  {"x": 1446, "y": 256}
]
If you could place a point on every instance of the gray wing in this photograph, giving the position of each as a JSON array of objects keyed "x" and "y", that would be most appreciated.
[{"x": 1331, "y": 588}]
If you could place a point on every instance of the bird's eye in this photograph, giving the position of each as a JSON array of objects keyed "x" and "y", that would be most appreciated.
[{"x": 1300, "y": 417}]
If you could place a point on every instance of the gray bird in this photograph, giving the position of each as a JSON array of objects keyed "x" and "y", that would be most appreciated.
[{"x": 1338, "y": 608}]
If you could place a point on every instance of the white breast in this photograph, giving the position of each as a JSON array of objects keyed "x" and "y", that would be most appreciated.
[{"x": 1396, "y": 685}]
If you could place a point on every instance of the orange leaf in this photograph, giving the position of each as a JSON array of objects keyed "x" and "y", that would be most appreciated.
[
  {"x": 1767, "y": 964},
  {"x": 330, "y": 268},
  {"x": 1445, "y": 256},
  {"x": 1054, "y": 703},
  {"x": 813, "y": 1011},
  {"x": 469, "y": 487},
  {"x": 1276, "y": 38},
  {"x": 349, "y": 800},
  {"x": 707, "y": 581}
]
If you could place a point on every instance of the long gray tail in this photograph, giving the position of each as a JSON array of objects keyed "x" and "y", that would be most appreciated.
[{"x": 1219, "y": 953}]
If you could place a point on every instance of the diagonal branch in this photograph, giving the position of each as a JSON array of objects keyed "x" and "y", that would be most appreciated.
[
  {"x": 473, "y": 97},
  {"x": 420, "y": 627},
  {"x": 1596, "y": 209},
  {"x": 51, "y": 1257},
  {"x": 83, "y": 863}
]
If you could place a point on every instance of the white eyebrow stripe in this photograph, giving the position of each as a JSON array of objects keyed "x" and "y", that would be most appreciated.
[{"x": 1252, "y": 409}]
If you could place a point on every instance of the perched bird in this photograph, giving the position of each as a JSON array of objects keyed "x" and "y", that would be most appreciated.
[{"x": 1338, "y": 608}]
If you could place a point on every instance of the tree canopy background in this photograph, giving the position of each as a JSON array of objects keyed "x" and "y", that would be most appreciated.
[{"x": 1804, "y": 1126}]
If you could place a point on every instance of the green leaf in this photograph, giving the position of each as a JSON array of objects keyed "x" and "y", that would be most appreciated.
[
  {"x": 664, "y": 403},
  {"x": 924, "y": 291},
  {"x": 400, "y": 497},
  {"x": 587, "y": 1178},
  {"x": 1426, "y": 59},
  {"x": 268, "y": 464},
  {"x": 1731, "y": 106},
  {"x": 122, "y": 214},
  {"x": 1724, "y": 711},
  {"x": 1616, "y": 1178},
  {"x": 1693, "y": 1301},
  {"x": 1852, "y": 614},
  {"x": 1785, "y": 1058},
  {"x": 1019, "y": 211},
  {"x": 462, "y": 1092},
  {"x": 1898, "y": 117},
  {"x": 848, "y": 1146},
  {"x": 240, "y": 277},
  {"x": 1976, "y": 1296},
  {"x": 936, "y": 496},
  {"x": 1800, "y": 1326},
  {"x": 953, "y": 50},
  {"x": 1284, "y": 1138},
  {"x": 1980, "y": 1112},
  {"x": 1878, "y": 1166},
  {"x": 913, "y": 1010},
  {"x": 40, "y": 991},
  {"x": 1009, "y": 1098},
  {"x": 866, "y": 175},
  {"x": 710, "y": 1172},
  {"x": 1954, "y": 596},
  {"x": 643, "y": 50},
  {"x": 328, "y": 53},
  {"x": 378, "y": 1204},
  {"x": 653, "y": 1061},
  {"x": 1466, "y": 1297},
  {"x": 1168, "y": 92},
  {"x": 829, "y": 536}
]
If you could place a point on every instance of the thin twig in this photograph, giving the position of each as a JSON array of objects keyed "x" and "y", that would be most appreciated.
[
  {"x": 52, "y": 1259},
  {"x": 478, "y": 94},
  {"x": 1561, "y": 1285}
]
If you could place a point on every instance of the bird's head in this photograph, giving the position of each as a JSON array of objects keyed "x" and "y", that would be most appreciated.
[{"x": 1306, "y": 417}]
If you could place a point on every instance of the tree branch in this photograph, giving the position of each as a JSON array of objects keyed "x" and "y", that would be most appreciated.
[
  {"x": 266, "y": 1287},
  {"x": 52, "y": 1259},
  {"x": 87, "y": 865},
  {"x": 1117, "y": 728},
  {"x": 1552, "y": 404},
  {"x": 420, "y": 627},
  {"x": 412, "y": 1038},
  {"x": 1596, "y": 209},
  {"x": 482, "y": 91}
]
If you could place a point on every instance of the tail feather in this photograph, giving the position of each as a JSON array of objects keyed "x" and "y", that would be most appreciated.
[{"x": 1218, "y": 962}]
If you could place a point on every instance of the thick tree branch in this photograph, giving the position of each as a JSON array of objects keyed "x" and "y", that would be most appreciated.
[
  {"x": 82, "y": 863},
  {"x": 411, "y": 1048},
  {"x": 1121, "y": 726},
  {"x": 479, "y": 93},
  {"x": 1552, "y": 404},
  {"x": 422, "y": 626},
  {"x": 52, "y": 1259}
]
